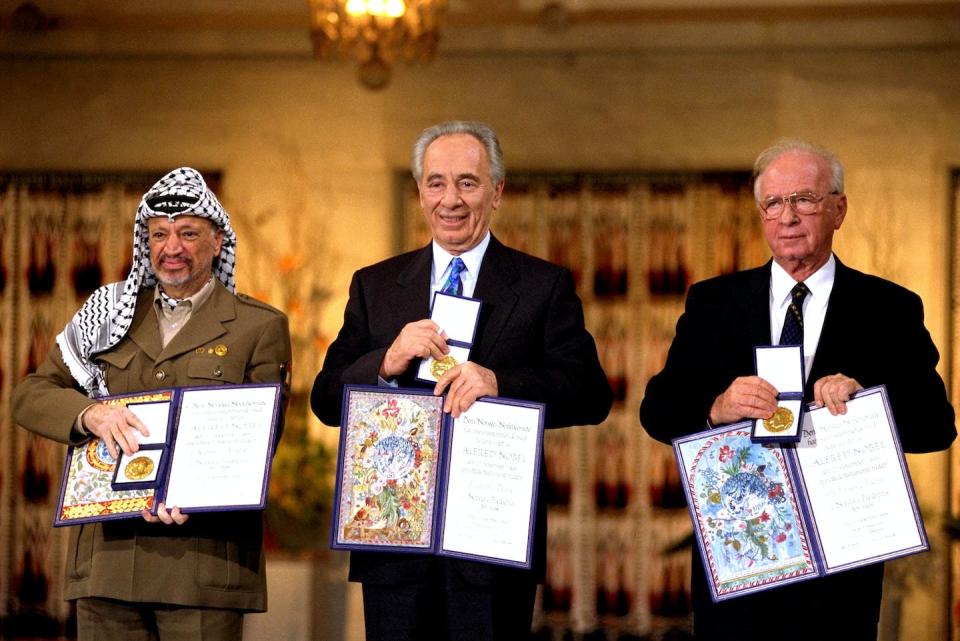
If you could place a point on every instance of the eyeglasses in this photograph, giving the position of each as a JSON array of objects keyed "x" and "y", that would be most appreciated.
[{"x": 804, "y": 203}]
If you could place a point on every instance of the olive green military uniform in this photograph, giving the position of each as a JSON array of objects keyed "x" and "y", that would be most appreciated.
[{"x": 214, "y": 560}]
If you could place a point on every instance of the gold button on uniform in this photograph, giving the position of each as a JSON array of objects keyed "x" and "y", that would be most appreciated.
[{"x": 160, "y": 375}]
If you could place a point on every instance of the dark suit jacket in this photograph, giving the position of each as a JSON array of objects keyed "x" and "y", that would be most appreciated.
[
  {"x": 213, "y": 560},
  {"x": 874, "y": 332},
  {"x": 530, "y": 333}
]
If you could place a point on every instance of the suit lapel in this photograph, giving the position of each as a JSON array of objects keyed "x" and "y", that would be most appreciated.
[
  {"x": 498, "y": 273},
  {"x": 743, "y": 321},
  {"x": 831, "y": 335},
  {"x": 413, "y": 288},
  {"x": 756, "y": 313},
  {"x": 205, "y": 324}
]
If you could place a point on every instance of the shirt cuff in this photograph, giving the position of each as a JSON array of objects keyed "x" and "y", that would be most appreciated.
[{"x": 385, "y": 383}]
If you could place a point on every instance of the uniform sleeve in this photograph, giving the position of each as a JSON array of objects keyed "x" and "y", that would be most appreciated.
[
  {"x": 271, "y": 356},
  {"x": 270, "y": 361},
  {"x": 49, "y": 401}
]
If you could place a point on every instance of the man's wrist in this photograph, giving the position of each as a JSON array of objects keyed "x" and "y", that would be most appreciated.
[
  {"x": 79, "y": 426},
  {"x": 382, "y": 372},
  {"x": 712, "y": 416}
]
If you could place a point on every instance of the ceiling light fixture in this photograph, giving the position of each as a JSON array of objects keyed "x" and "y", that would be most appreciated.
[{"x": 376, "y": 33}]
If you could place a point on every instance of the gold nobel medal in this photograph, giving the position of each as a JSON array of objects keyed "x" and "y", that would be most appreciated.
[
  {"x": 220, "y": 350},
  {"x": 781, "y": 420},
  {"x": 139, "y": 468},
  {"x": 440, "y": 367}
]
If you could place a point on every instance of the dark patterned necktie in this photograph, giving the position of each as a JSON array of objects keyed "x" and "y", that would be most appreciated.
[
  {"x": 454, "y": 285},
  {"x": 792, "y": 333}
]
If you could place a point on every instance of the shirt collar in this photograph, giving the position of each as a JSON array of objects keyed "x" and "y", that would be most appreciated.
[
  {"x": 820, "y": 282},
  {"x": 471, "y": 258},
  {"x": 193, "y": 302}
]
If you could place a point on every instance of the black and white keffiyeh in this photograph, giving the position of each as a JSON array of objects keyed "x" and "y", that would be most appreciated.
[{"x": 106, "y": 316}]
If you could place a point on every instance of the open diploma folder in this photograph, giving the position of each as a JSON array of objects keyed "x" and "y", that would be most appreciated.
[
  {"x": 209, "y": 449},
  {"x": 413, "y": 479},
  {"x": 765, "y": 516}
]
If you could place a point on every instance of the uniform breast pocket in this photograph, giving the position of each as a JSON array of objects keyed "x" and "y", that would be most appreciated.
[
  {"x": 210, "y": 370},
  {"x": 116, "y": 366}
]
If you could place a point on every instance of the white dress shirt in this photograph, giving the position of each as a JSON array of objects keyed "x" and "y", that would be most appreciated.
[
  {"x": 820, "y": 284},
  {"x": 468, "y": 277}
]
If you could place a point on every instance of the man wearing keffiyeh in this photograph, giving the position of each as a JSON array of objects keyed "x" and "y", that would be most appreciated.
[{"x": 175, "y": 322}]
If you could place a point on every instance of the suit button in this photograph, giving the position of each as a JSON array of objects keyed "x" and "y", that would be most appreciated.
[
  {"x": 218, "y": 371},
  {"x": 160, "y": 375}
]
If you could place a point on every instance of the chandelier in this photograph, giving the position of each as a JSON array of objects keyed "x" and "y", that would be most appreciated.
[{"x": 376, "y": 33}]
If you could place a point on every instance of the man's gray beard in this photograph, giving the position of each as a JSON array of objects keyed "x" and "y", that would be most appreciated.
[{"x": 178, "y": 282}]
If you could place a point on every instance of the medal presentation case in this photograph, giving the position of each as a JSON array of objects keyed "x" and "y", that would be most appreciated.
[
  {"x": 782, "y": 367},
  {"x": 457, "y": 317}
]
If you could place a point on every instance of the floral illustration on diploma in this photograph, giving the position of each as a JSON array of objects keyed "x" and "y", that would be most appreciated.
[
  {"x": 87, "y": 488},
  {"x": 747, "y": 513},
  {"x": 388, "y": 483}
]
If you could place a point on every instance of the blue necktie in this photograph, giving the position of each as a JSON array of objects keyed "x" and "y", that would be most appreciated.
[
  {"x": 792, "y": 333},
  {"x": 454, "y": 285}
]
